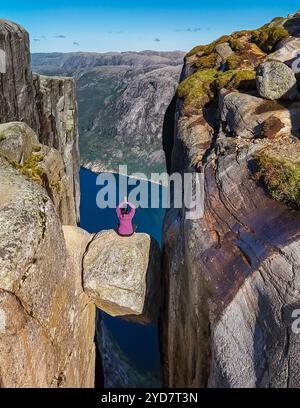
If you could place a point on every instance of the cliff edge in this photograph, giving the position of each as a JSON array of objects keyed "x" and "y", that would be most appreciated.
[
  {"x": 47, "y": 323},
  {"x": 232, "y": 277}
]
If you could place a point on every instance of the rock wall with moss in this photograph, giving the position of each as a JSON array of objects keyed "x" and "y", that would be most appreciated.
[{"x": 232, "y": 276}]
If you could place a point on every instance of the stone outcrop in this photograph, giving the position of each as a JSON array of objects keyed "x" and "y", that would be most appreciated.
[
  {"x": 57, "y": 109},
  {"x": 224, "y": 51},
  {"x": 122, "y": 275},
  {"x": 47, "y": 323},
  {"x": 20, "y": 146},
  {"x": 47, "y": 105},
  {"x": 17, "y": 141},
  {"x": 232, "y": 277},
  {"x": 275, "y": 80},
  {"x": 248, "y": 116},
  {"x": 287, "y": 52},
  {"x": 17, "y": 101}
]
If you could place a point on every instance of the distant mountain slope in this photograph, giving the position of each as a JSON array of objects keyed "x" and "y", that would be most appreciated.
[{"x": 122, "y": 100}]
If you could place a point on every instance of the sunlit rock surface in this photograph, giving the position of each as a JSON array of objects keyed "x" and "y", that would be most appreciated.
[
  {"x": 122, "y": 275},
  {"x": 48, "y": 105},
  {"x": 232, "y": 276},
  {"x": 47, "y": 322}
]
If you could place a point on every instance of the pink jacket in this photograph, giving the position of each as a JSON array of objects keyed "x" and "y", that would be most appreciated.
[{"x": 125, "y": 227}]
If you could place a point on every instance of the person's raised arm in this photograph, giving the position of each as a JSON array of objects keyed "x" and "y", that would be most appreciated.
[
  {"x": 133, "y": 207},
  {"x": 118, "y": 209}
]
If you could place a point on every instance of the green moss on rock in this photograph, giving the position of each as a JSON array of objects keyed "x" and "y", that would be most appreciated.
[
  {"x": 197, "y": 90},
  {"x": 244, "y": 79},
  {"x": 208, "y": 49},
  {"x": 31, "y": 168},
  {"x": 235, "y": 43},
  {"x": 207, "y": 61},
  {"x": 233, "y": 61},
  {"x": 267, "y": 36},
  {"x": 249, "y": 49},
  {"x": 201, "y": 87},
  {"x": 281, "y": 178}
]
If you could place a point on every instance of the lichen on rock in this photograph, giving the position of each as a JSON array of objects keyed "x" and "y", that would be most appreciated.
[{"x": 275, "y": 80}]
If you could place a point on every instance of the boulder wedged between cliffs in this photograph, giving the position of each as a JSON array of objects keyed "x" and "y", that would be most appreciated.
[{"x": 122, "y": 275}]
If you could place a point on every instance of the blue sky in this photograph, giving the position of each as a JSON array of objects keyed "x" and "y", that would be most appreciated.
[{"x": 121, "y": 25}]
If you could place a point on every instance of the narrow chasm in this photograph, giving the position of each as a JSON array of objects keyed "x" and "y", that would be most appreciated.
[{"x": 128, "y": 353}]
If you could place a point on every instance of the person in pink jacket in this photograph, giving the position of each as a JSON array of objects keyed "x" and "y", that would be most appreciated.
[{"x": 125, "y": 227}]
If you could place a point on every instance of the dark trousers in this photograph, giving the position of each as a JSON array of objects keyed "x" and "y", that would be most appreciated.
[{"x": 129, "y": 235}]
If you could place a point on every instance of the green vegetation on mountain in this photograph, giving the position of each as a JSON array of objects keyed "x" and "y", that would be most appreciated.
[
  {"x": 211, "y": 70},
  {"x": 266, "y": 37},
  {"x": 280, "y": 176}
]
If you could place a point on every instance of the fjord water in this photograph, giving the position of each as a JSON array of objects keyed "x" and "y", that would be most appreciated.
[{"x": 137, "y": 344}]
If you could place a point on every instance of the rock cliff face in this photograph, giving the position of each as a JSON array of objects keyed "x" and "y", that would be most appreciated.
[
  {"x": 232, "y": 277},
  {"x": 47, "y": 323},
  {"x": 122, "y": 98},
  {"x": 58, "y": 127},
  {"x": 47, "y": 105}
]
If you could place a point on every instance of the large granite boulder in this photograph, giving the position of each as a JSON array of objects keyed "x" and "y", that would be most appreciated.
[
  {"x": 122, "y": 275},
  {"x": 275, "y": 80},
  {"x": 17, "y": 141},
  {"x": 247, "y": 116}
]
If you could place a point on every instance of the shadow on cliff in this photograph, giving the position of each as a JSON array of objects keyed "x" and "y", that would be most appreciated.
[
  {"x": 273, "y": 343},
  {"x": 168, "y": 132},
  {"x": 99, "y": 374},
  {"x": 264, "y": 324},
  {"x": 293, "y": 26}
]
